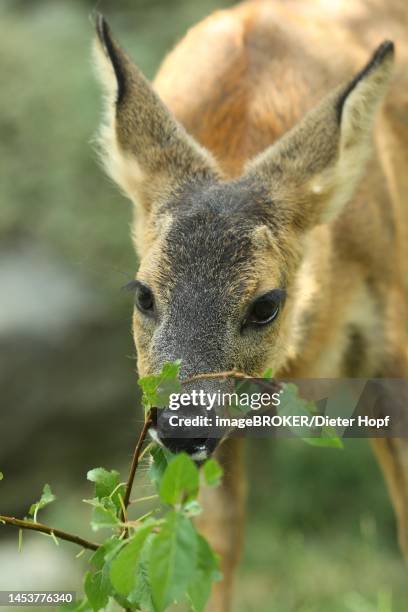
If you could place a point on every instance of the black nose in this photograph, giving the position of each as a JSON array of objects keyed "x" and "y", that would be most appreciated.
[
  {"x": 199, "y": 441},
  {"x": 198, "y": 448}
]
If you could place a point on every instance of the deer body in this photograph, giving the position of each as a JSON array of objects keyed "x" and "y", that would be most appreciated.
[{"x": 294, "y": 183}]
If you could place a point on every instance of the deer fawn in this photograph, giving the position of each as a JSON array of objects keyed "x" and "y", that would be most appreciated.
[{"x": 270, "y": 219}]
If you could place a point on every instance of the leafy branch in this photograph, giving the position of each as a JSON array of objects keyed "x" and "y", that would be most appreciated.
[
  {"x": 155, "y": 560},
  {"x": 265, "y": 381},
  {"x": 159, "y": 558},
  {"x": 51, "y": 531}
]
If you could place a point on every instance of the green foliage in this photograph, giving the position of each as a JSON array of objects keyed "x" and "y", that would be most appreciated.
[
  {"x": 123, "y": 572},
  {"x": 105, "y": 482},
  {"x": 180, "y": 481},
  {"x": 97, "y": 588},
  {"x": 207, "y": 572},
  {"x": 160, "y": 460},
  {"x": 163, "y": 559},
  {"x": 291, "y": 404},
  {"x": 104, "y": 514},
  {"x": 107, "y": 503},
  {"x": 109, "y": 491},
  {"x": 142, "y": 593},
  {"x": 46, "y": 498},
  {"x": 160, "y": 560},
  {"x": 1, "y": 475},
  {"x": 328, "y": 437},
  {"x": 158, "y": 388},
  {"x": 212, "y": 472},
  {"x": 173, "y": 560}
]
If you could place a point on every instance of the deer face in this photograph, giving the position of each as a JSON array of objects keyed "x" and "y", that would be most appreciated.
[
  {"x": 211, "y": 289},
  {"x": 216, "y": 286}
]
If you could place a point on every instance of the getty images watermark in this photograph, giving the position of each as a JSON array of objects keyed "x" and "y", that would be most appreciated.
[
  {"x": 211, "y": 400},
  {"x": 260, "y": 407}
]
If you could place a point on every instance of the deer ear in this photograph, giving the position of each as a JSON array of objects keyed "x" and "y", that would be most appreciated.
[
  {"x": 313, "y": 171},
  {"x": 145, "y": 150}
]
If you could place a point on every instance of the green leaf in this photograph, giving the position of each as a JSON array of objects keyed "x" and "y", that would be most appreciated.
[
  {"x": 47, "y": 497},
  {"x": 212, "y": 472},
  {"x": 180, "y": 481},
  {"x": 292, "y": 404},
  {"x": 141, "y": 596},
  {"x": 106, "y": 552},
  {"x": 172, "y": 561},
  {"x": 1, "y": 475},
  {"x": 157, "y": 388},
  {"x": 124, "y": 567},
  {"x": 171, "y": 369},
  {"x": 97, "y": 588},
  {"x": 329, "y": 438},
  {"x": 158, "y": 465},
  {"x": 105, "y": 482},
  {"x": 105, "y": 512},
  {"x": 101, "y": 562},
  {"x": 268, "y": 373},
  {"x": 246, "y": 389},
  {"x": 107, "y": 487},
  {"x": 207, "y": 572},
  {"x": 103, "y": 517}
]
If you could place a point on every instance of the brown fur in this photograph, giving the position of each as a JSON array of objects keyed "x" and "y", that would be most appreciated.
[{"x": 257, "y": 86}]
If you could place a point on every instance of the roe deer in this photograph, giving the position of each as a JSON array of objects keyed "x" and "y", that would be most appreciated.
[{"x": 270, "y": 219}]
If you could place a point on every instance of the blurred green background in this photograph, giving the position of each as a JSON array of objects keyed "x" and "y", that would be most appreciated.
[{"x": 321, "y": 533}]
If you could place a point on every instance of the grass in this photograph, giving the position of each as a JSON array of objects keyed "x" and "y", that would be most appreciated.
[
  {"x": 330, "y": 571},
  {"x": 321, "y": 533}
]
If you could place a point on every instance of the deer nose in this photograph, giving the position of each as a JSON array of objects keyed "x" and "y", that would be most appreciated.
[
  {"x": 198, "y": 440},
  {"x": 199, "y": 449}
]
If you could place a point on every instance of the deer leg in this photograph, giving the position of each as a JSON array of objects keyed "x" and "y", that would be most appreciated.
[
  {"x": 222, "y": 520},
  {"x": 392, "y": 452}
]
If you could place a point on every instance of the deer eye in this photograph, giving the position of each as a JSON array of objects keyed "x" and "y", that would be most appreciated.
[
  {"x": 144, "y": 299},
  {"x": 265, "y": 308}
]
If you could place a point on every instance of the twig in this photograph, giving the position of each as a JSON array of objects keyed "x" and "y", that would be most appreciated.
[
  {"x": 274, "y": 385},
  {"x": 206, "y": 376},
  {"x": 63, "y": 535},
  {"x": 133, "y": 467},
  {"x": 143, "y": 499}
]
